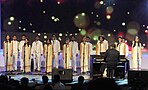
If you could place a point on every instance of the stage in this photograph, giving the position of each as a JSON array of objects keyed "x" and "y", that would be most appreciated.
[{"x": 38, "y": 76}]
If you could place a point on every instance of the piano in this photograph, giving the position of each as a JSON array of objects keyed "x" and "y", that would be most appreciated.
[{"x": 97, "y": 60}]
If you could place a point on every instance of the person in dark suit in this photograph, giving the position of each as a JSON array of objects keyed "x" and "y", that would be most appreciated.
[{"x": 111, "y": 57}]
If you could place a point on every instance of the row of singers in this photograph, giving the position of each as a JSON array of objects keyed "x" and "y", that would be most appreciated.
[{"x": 22, "y": 51}]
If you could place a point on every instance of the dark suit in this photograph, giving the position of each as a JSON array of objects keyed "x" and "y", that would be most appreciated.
[{"x": 111, "y": 57}]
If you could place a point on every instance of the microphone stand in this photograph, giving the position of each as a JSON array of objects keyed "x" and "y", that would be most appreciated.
[
  {"x": 46, "y": 58},
  {"x": 24, "y": 58},
  {"x": 6, "y": 56}
]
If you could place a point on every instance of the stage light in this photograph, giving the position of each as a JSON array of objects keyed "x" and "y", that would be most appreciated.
[
  {"x": 9, "y": 23},
  {"x": 144, "y": 45},
  {"x": 44, "y": 11},
  {"x": 114, "y": 30},
  {"x": 92, "y": 12},
  {"x": 147, "y": 27},
  {"x": 76, "y": 34},
  {"x": 65, "y": 34},
  {"x": 44, "y": 41},
  {"x": 45, "y": 37},
  {"x": 33, "y": 31},
  {"x": 97, "y": 15},
  {"x": 109, "y": 35},
  {"x": 41, "y": 1},
  {"x": 77, "y": 17},
  {"x": 101, "y": 2},
  {"x": 83, "y": 14},
  {"x": 108, "y": 16},
  {"x": 55, "y": 20},
  {"x": 19, "y": 27},
  {"x": 45, "y": 33},
  {"x": 60, "y": 34},
  {"x": 11, "y": 18},
  {"x": 114, "y": 4},
  {"x": 128, "y": 13},
  {"x": 52, "y": 17},
  {"x": 20, "y": 21},
  {"x": 70, "y": 34},
  {"x": 58, "y": 2},
  {"x": 30, "y": 24},
  {"x": 79, "y": 29},
  {"x": 24, "y": 29},
  {"x": 60, "y": 39},
  {"x": 146, "y": 31},
  {"x": 39, "y": 34},
  {"x": 123, "y": 23}
]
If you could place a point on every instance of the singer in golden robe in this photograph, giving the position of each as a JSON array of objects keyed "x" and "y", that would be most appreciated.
[
  {"x": 7, "y": 53},
  {"x": 67, "y": 54},
  {"x": 48, "y": 55},
  {"x": 26, "y": 56},
  {"x": 84, "y": 55}
]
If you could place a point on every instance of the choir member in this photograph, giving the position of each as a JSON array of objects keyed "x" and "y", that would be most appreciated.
[
  {"x": 15, "y": 52},
  {"x": 48, "y": 55},
  {"x": 126, "y": 47},
  {"x": 102, "y": 45},
  {"x": 84, "y": 55},
  {"x": 74, "y": 46},
  {"x": 67, "y": 54},
  {"x": 37, "y": 52},
  {"x": 56, "y": 50},
  {"x": 136, "y": 54},
  {"x": 21, "y": 44},
  {"x": 7, "y": 53},
  {"x": 26, "y": 56},
  {"x": 90, "y": 50}
]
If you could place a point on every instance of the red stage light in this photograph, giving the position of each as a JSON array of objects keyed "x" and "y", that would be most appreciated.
[{"x": 146, "y": 31}]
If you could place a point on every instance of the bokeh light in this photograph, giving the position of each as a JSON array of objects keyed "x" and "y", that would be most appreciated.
[
  {"x": 133, "y": 28},
  {"x": 109, "y": 9},
  {"x": 98, "y": 23},
  {"x": 108, "y": 16},
  {"x": 60, "y": 34},
  {"x": 123, "y": 23},
  {"x": 81, "y": 20},
  {"x": 83, "y": 32},
  {"x": 9, "y": 23},
  {"x": 11, "y": 18},
  {"x": 101, "y": 2},
  {"x": 95, "y": 38}
]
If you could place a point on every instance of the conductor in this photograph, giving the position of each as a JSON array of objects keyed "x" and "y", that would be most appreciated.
[{"x": 111, "y": 57}]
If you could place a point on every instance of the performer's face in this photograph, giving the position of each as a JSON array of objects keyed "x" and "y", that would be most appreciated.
[
  {"x": 14, "y": 37},
  {"x": 53, "y": 37},
  {"x": 72, "y": 38},
  {"x": 7, "y": 37},
  {"x": 23, "y": 37},
  {"x": 26, "y": 41},
  {"x": 119, "y": 39},
  {"x": 48, "y": 41},
  {"x": 84, "y": 39},
  {"x": 37, "y": 38},
  {"x": 136, "y": 39},
  {"x": 101, "y": 38},
  {"x": 67, "y": 41}
]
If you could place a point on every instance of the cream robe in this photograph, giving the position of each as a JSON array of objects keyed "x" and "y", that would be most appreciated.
[
  {"x": 84, "y": 56},
  {"x": 67, "y": 55},
  {"x": 101, "y": 47},
  {"x": 7, "y": 51},
  {"x": 21, "y": 44},
  {"x": 37, "y": 50},
  {"x": 74, "y": 46},
  {"x": 15, "y": 49},
  {"x": 121, "y": 48},
  {"x": 48, "y": 53},
  {"x": 27, "y": 61},
  {"x": 56, "y": 50},
  {"x": 136, "y": 56}
]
